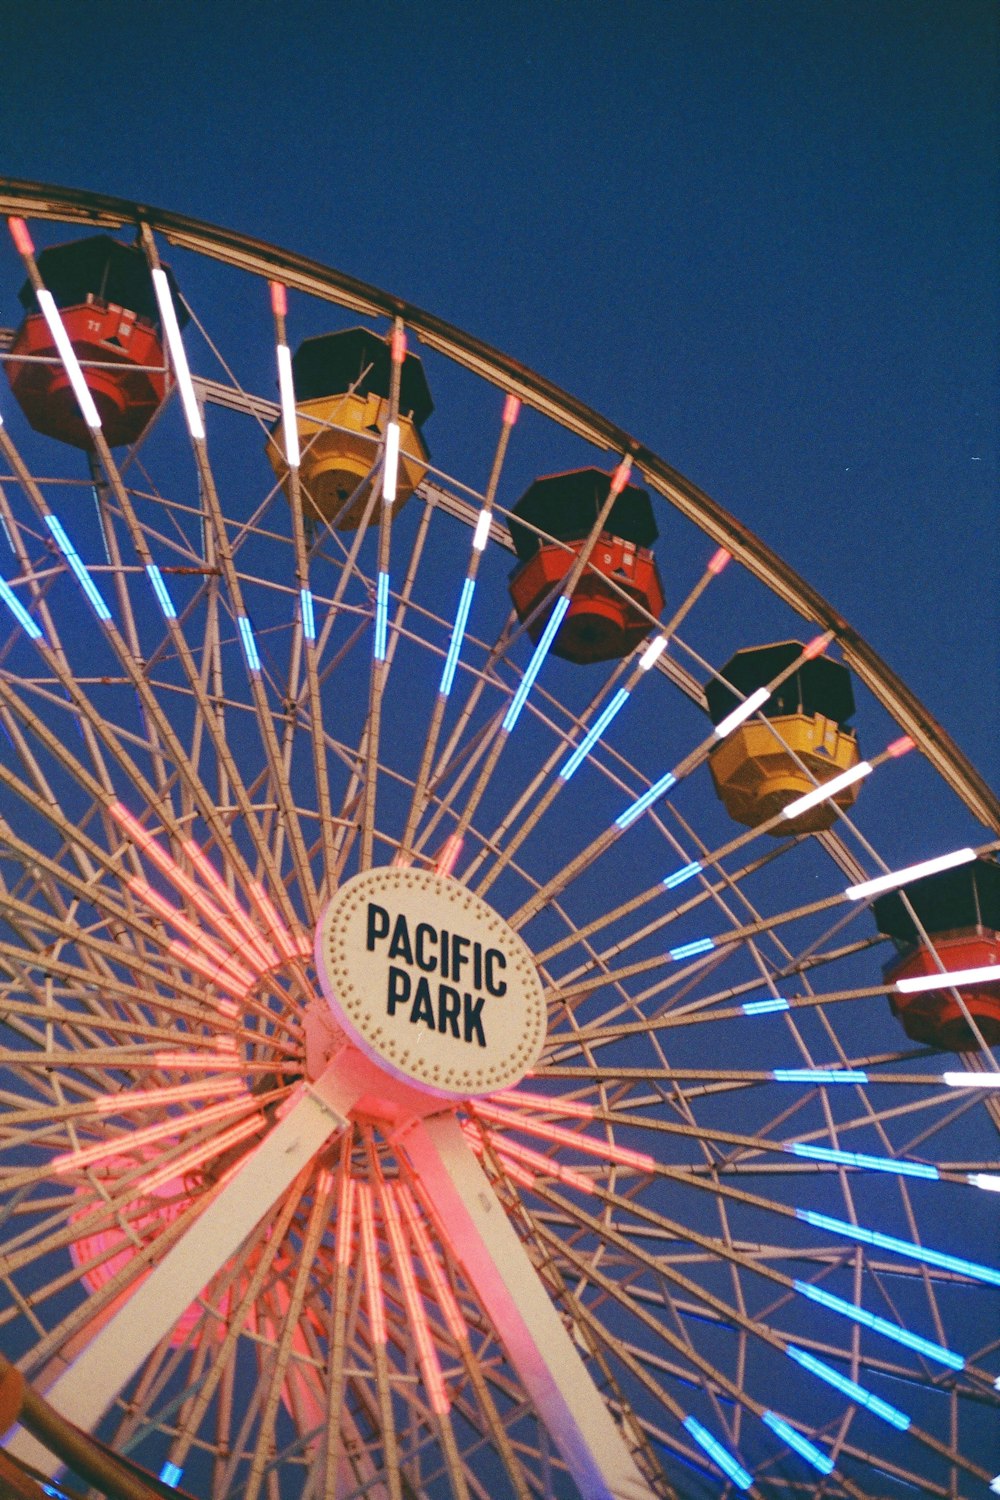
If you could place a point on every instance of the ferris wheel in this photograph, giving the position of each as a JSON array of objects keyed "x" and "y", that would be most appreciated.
[{"x": 498, "y": 979}]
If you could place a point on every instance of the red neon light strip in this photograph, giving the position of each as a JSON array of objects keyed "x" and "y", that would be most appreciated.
[
  {"x": 69, "y": 1161},
  {"x": 369, "y": 1252},
  {"x": 620, "y": 1154},
  {"x": 555, "y": 1106},
  {"x": 19, "y": 234},
  {"x": 113, "y": 1104},
  {"x": 443, "y": 1293},
  {"x": 198, "y": 1155},
  {"x": 415, "y": 1314},
  {"x": 224, "y": 961},
  {"x": 268, "y": 955},
  {"x": 345, "y": 1216},
  {"x": 286, "y": 943},
  {"x": 279, "y": 298},
  {"x": 718, "y": 560}
]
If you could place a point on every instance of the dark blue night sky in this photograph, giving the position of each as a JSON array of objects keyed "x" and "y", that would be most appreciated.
[{"x": 761, "y": 234}]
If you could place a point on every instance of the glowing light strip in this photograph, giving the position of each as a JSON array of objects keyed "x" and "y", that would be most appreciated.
[
  {"x": 555, "y": 1105},
  {"x": 686, "y": 872},
  {"x": 443, "y": 1294},
  {"x": 869, "y": 1163},
  {"x": 308, "y": 614},
  {"x": 178, "y": 355},
  {"x": 690, "y": 950},
  {"x": 988, "y": 1181},
  {"x": 415, "y": 1313},
  {"x": 819, "y": 1075},
  {"x": 541, "y": 1166},
  {"x": 620, "y": 1154},
  {"x": 481, "y": 535},
  {"x": 69, "y": 1161},
  {"x": 113, "y": 1104},
  {"x": 971, "y": 1080},
  {"x": 390, "y": 472},
  {"x": 827, "y": 790},
  {"x": 652, "y": 653},
  {"x": 742, "y": 711},
  {"x": 286, "y": 943},
  {"x": 802, "y": 1446},
  {"x": 948, "y": 980},
  {"x": 286, "y": 388},
  {"x": 594, "y": 733},
  {"x": 900, "y": 1247},
  {"x": 265, "y": 955},
  {"x": 161, "y": 591},
  {"x": 369, "y": 1252},
  {"x": 647, "y": 799},
  {"x": 171, "y": 1474},
  {"x": 19, "y": 612},
  {"x": 71, "y": 555},
  {"x": 249, "y": 644},
  {"x": 208, "y": 1150},
  {"x": 210, "y": 875},
  {"x": 910, "y": 872},
  {"x": 67, "y": 354},
  {"x": 457, "y": 635},
  {"x": 762, "y": 1007},
  {"x": 729, "y": 1465},
  {"x": 875, "y": 1404},
  {"x": 535, "y": 665},
  {"x": 345, "y": 1219},
  {"x": 450, "y": 851},
  {"x": 207, "y": 1060},
  {"x": 881, "y": 1325},
  {"x": 381, "y": 615},
  {"x": 208, "y": 946}
]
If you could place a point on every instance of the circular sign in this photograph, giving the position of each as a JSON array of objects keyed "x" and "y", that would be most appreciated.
[{"x": 430, "y": 982}]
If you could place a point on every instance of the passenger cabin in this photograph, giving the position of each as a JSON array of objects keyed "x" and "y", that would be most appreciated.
[
  {"x": 620, "y": 587},
  {"x": 798, "y": 739},
  {"x": 959, "y": 910},
  {"x": 108, "y": 307},
  {"x": 342, "y": 383}
]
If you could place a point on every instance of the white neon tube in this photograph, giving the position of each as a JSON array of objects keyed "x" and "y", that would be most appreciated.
[
  {"x": 391, "y": 471},
  {"x": 910, "y": 872},
  {"x": 67, "y": 354},
  {"x": 948, "y": 980},
  {"x": 742, "y": 711},
  {"x": 287, "y": 391},
  {"x": 482, "y": 531},
  {"x": 178, "y": 356},
  {"x": 828, "y": 789}
]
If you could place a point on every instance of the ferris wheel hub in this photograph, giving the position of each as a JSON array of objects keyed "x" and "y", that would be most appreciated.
[{"x": 430, "y": 983}]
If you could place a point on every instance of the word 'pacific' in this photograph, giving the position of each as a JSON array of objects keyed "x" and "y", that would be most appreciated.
[{"x": 449, "y": 955}]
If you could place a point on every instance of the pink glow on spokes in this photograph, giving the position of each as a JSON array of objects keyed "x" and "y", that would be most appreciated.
[
  {"x": 450, "y": 850},
  {"x": 267, "y": 955},
  {"x": 622, "y": 1155},
  {"x": 290, "y": 947},
  {"x": 415, "y": 1314},
  {"x": 541, "y": 1166},
  {"x": 71, "y": 1161},
  {"x": 369, "y": 1253},
  {"x": 222, "y": 960},
  {"x": 199, "y": 1155},
  {"x": 345, "y": 1217},
  {"x": 443, "y": 1294},
  {"x": 555, "y": 1106},
  {"x": 114, "y": 1104},
  {"x": 207, "y": 1061}
]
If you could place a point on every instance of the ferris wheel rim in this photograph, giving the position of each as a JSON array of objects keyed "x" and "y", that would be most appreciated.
[{"x": 48, "y": 201}]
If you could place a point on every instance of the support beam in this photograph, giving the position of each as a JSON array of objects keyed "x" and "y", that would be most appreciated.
[{"x": 520, "y": 1309}]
